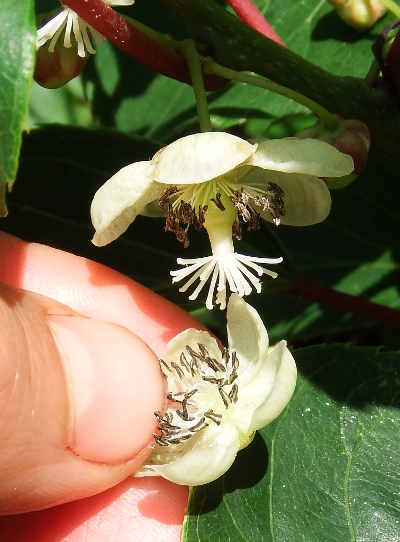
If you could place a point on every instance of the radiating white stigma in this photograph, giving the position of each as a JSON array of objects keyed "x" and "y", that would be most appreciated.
[{"x": 240, "y": 272}]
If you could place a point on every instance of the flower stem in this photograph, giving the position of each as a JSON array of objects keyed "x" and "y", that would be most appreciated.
[
  {"x": 392, "y": 6},
  {"x": 249, "y": 13},
  {"x": 312, "y": 291},
  {"x": 212, "y": 67},
  {"x": 193, "y": 60}
]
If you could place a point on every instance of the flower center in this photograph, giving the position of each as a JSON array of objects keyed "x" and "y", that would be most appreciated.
[
  {"x": 197, "y": 382},
  {"x": 194, "y": 204}
]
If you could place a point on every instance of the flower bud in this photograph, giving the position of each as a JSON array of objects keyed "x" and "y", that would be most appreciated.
[
  {"x": 349, "y": 137},
  {"x": 360, "y": 14},
  {"x": 53, "y": 70}
]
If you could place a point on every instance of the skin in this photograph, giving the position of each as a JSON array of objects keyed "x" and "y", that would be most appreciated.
[{"x": 116, "y": 506}]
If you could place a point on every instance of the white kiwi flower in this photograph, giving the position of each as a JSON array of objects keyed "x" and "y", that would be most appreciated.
[
  {"x": 76, "y": 29},
  {"x": 217, "y": 400},
  {"x": 223, "y": 183}
]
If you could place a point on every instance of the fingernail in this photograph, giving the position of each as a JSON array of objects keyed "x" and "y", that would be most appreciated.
[{"x": 116, "y": 387}]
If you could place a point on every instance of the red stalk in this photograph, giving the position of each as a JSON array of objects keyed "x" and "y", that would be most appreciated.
[
  {"x": 130, "y": 40},
  {"x": 312, "y": 291},
  {"x": 248, "y": 12}
]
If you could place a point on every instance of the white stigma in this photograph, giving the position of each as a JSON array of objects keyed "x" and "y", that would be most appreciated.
[
  {"x": 241, "y": 273},
  {"x": 69, "y": 20}
]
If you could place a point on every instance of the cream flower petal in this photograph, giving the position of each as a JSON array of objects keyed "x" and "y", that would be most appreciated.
[
  {"x": 200, "y": 157},
  {"x": 308, "y": 156},
  {"x": 306, "y": 198},
  {"x": 247, "y": 337},
  {"x": 279, "y": 377},
  {"x": 208, "y": 460},
  {"x": 117, "y": 203}
]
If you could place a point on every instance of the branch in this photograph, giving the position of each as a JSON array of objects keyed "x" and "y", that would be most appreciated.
[
  {"x": 312, "y": 291},
  {"x": 237, "y": 46}
]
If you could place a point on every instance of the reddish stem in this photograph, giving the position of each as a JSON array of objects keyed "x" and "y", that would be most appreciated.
[
  {"x": 133, "y": 42},
  {"x": 312, "y": 291},
  {"x": 248, "y": 12}
]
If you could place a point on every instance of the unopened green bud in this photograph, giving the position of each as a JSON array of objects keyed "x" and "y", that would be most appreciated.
[
  {"x": 350, "y": 137},
  {"x": 360, "y": 14}
]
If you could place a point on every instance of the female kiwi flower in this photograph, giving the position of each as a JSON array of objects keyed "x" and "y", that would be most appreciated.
[
  {"x": 217, "y": 400},
  {"x": 222, "y": 183},
  {"x": 67, "y": 19}
]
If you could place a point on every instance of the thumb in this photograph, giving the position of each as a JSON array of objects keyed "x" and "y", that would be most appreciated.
[{"x": 77, "y": 398}]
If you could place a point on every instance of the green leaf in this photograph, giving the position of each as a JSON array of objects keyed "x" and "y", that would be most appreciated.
[
  {"x": 327, "y": 470},
  {"x": 17, "y": 46}
]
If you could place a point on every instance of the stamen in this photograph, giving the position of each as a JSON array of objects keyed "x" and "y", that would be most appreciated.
[
  {"x": 218, "y": 202},
  {"x": 178, "y": 370},
  {"x": 216, "y": 418},
  {"x": 225, "y": 397},
  {"x": 199, "y": 426}
]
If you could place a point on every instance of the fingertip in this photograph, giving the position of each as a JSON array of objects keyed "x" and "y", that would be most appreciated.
[{"x": 116, "y": 386}]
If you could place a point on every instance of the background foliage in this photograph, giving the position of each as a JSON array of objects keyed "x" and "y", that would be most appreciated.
[{"x": 327, "y": 469}]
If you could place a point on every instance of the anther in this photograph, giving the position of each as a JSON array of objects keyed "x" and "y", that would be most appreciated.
[
  {"x": 202, "y": 424},
  {"x": 233, "y": 394},
  {"x": 225, "y": 397},
  {"x": 178, "y": 370},
  {"x": 160, "y": 441},
  {"x": 218, "y": 202}
]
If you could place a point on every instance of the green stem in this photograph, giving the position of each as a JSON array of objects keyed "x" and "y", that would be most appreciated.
[
  {"x": 392, "y": 6},
  {"x": 328, "y": 119},
  {"x": 193, "y": 60}
]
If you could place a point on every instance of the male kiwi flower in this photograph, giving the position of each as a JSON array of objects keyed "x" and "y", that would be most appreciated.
[
  {"x": 69, "y": 20},
  {"x": 222, "y": 183},
  {"x": 217, "y": 400}
]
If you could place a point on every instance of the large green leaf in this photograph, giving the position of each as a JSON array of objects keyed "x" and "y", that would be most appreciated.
[
  {"x": 17, "y": 48},
  {"x": 327, "y": 470}
]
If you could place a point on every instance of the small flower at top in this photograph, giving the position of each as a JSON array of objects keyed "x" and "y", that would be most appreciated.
[
  {"x": 67, "y": 19},
  {"x": 224, "y": 184},
  {"x": 217, "y": 400}
]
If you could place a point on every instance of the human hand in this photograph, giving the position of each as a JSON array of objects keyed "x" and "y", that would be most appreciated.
[{"x": 46, "y": 465}]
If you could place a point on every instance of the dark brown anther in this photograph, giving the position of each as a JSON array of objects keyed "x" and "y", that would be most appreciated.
[
  {"x": 216, "y": 418},
  {"x": 178, "y": 370},
  {"x": 225, "y": 397},
  {"x": 179, "y": 440},
  {"x": 233, "y": 394},
  {"x": 184, "y": 362},
  {"x": 225, "y": 356},
  {"x": 213, "y": 380},
  {"x": 165, "y": 198},
  {"x": 237, "y": 230},
  {"x": 185, "y": 213},
  {"x": 163, "y": 367},
  {"x": 235, "y": 362},
  {"x": 159, "y": 440},
  {"x": 202, "y": 424},
  {"x": 232, "y": 378},
  {"x": 218, "y": 202}
]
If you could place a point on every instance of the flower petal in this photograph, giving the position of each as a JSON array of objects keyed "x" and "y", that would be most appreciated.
[
  {"x": 191, "y": 337},
  {"x": 308, "y": 156},
  {"x": 278, "y": 378},
  {"x": 306, "y": 198},
  {"x": 247, "y": 337},
  {"x": 209, "y": 459},
  {"x": 200, "y": 157},
  {"x": 117, "y": 203}
]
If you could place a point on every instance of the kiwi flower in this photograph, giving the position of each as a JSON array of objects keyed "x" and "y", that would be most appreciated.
[
  {"x": 217, "y": 400},
  {"x": 222, "y": 183},
  {"x": 67, "y": 19}
]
